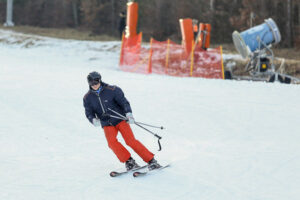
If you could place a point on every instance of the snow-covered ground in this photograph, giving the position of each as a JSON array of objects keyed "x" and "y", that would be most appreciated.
[{"x": 225, "y": 140}]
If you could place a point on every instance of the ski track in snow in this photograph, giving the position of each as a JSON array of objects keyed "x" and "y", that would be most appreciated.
[{"x": 224, "y": 139}]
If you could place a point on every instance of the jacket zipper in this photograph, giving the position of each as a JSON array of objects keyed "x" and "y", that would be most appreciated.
[{"x": 101, "y": 104}]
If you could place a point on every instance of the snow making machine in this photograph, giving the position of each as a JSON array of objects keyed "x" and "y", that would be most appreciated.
[{"x": 255, "y": 44}]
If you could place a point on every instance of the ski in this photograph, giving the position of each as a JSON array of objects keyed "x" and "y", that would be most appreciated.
[
  {"x": 119, "y": 173},
  {"x": 139, "y": 174}
]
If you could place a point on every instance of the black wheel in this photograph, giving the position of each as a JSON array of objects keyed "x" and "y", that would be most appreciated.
[
  {"x": 228, "y": 75},
  {"x": 280, "y": 79},
  {"x": 272, "y": 79},
  {"x": 287, "y": 80}
]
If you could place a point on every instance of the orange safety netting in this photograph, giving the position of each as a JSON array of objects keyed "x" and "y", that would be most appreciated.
[
  {"x": 208, "y": 64},
  {"x": 170, "y": 58},
  {"x": 134, "y": 58}
]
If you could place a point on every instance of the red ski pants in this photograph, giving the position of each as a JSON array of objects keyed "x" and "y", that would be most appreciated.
[{"x": 121, "y": 152}]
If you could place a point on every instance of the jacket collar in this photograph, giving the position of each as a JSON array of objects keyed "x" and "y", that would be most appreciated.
[{"x": 101, "y": 88}]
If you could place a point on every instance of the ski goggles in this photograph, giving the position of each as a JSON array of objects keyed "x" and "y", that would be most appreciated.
[{"x": 94, "y": 82}]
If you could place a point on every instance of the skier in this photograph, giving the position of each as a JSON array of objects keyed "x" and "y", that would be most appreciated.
[
  {"x": 104, "y": 105},
  {"x": 122, "y": 23}
]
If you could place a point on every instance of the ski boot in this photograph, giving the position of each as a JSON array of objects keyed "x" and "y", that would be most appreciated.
[
  {"x": 152, "y": 164},
  {"x": 130, "y": 164}
]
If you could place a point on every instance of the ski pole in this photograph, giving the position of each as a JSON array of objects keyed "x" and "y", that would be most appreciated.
[
  {"x": 123, "y": 117},
  {"x": 141, "y": 123},
  {"x": 116, "y": 117},
  {"x": 159, "y": 137}
]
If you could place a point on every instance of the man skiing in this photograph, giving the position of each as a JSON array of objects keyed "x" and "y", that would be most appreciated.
[
  {"x": 122, "y": 23},
  {"x": 104, "y": 106}
]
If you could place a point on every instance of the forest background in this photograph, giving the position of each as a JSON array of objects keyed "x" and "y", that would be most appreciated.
[{"x": 160, "y": 18}]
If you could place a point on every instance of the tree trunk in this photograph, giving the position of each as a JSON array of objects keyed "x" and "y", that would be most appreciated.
[
  {"x": 112, "y": 16},
  {"x": 289, "y": 24},
  {"x": 75, "y": 12},
  {"x": 212, "y": 5}
]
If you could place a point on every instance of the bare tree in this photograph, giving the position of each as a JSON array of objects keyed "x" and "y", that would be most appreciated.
[
  {"x": 212, "y": 5},
  {"x": 289, "y": 24},
  {"x": 113, "y": 15},
  {"x": 75, "y": 12}
]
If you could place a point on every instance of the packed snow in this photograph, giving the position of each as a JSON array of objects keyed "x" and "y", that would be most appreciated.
[{"x": 225, "y": 140}]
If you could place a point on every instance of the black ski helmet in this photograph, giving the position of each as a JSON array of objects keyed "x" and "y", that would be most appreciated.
[{"x": 94, "y": 78}]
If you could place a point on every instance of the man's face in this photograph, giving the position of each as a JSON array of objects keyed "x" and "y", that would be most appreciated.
[{"x": 96, "y": 87}]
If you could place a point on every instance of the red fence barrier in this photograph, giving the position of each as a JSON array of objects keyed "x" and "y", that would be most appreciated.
[{"x": 170, "y": 58}]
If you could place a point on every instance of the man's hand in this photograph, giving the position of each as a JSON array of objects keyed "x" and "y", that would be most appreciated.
[
  {"x": 96, "y": 122},
  {"x": 130, "y": 118}
]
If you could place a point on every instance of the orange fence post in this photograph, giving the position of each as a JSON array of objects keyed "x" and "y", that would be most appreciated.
[
  {"x": 167, "y": 57},
  {"x": 150, "y": 57},
  {"x": 192, "y": 59},
  {"x": 223, "y": 73},
  {"x": 201, "y": 34},
  {"x": 204, "y": 37},
  {"x": 186, "y": 26},
  {"x": 207, "y": 36},
  {"x": 132, "y": 18}
]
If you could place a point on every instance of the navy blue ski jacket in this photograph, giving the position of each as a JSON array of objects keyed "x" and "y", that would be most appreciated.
[{"x": 101, "y": 103}]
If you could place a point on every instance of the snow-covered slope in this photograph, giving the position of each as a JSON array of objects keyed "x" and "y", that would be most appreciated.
[{"x": 225, "y": 139}]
